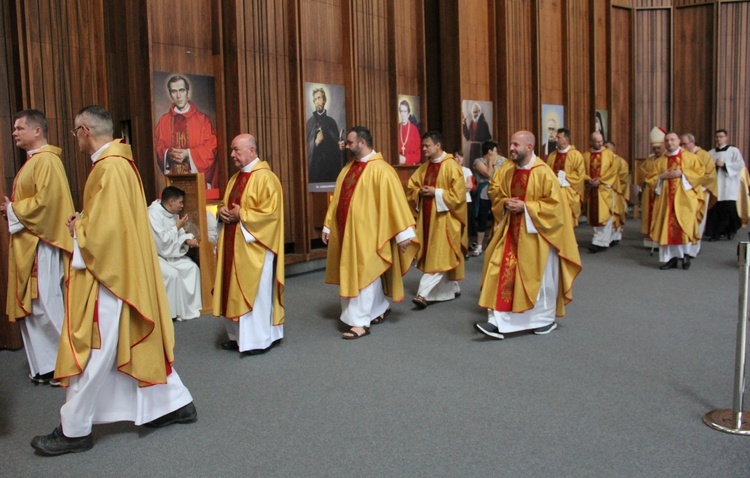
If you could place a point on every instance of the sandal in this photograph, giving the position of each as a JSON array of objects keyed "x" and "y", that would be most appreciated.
[
  {"x": 420, "y": 302},
  {"x": 381, "y": 318},
  {"x": 353, "y": 335}
]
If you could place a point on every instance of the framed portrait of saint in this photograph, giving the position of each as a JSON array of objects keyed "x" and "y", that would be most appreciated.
[
  {"x": 409, "y": 141},
  {"x": 185, "y": 133},
  {"x": 553, "y": 117},
  {"x": 325, "y": 131},
  {"x": 476, "y": 125}
]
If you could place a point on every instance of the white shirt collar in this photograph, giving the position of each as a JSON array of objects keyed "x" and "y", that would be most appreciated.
[
  {"x": 439, "y": 159},
  {"x": 694, "y": 150},
  {"x": 182, "y": 111},
  {"x": 564, "y": 150},
  {"x": 674, "y": 153},
  {"x": 368, "y": 157},
  {"x": 531, "y": 163},
  {"x": 249, "y": 167},
  {"x": 597, "y": 150},
  {"x": 95, "y": 156}
]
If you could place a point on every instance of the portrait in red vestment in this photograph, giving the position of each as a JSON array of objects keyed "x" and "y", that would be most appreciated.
[
  {"x": 409, "y": 140},
  {"x": 185, "y": 136}
]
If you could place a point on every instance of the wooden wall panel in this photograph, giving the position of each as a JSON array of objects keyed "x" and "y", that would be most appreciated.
[
  {"x": 733, "y": 74},
  {"x": 10, "y": 336},
  {"x": 409, "y": 52},
  {"x": 372, "y": 100},
  {"x": 651, "y": 76},
  {"x": 600, "y": 63},
  {"x": 579, "y": 111},
  {"x": 693, "y": 72},
  {"x": 264, "y": 94},
  {"x": 620, "y": 114},
  {"x": 551, "y": 52},
  {"x": 474, "y": 49},
  {"x": 516, "y": 40},
  {"x": 63, "y": 69}
]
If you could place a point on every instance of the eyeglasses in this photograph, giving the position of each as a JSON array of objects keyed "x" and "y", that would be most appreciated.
[{"x": 74, "y": 131}]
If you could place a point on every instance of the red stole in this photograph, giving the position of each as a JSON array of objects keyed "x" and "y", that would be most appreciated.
[
  {"x": 430, "y": 179},
  {"x": 559, "y": 162},
  {"x": 347, "y": 191},
  {"x": 674, "y": 231},
  {"x": 595, "y": 172},
  {"x": 506, "y": 283},
  {"x": 230, "y": 229},
  {"x": 180, "y": 141}
]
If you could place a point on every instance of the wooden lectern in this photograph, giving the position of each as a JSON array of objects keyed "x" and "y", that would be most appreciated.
[{"x": 194, "y": 186}]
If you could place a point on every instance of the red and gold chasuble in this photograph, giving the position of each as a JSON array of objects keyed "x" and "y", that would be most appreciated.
[
  {"x": 674, "y": 231},
  {"x": 559, "y": 162},
  {"x": 230, "y": 230},
  {"x": 509, "y": 264},
  {"x": 180, "y": 141},
  {"x": 347, "y": 191},
  {"x": 595, "y": 172},
  {"x": 430, "y": 179}
]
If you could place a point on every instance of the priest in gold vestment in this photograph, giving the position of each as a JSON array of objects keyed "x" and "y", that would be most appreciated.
[
  {"x": 709, "y": 184},
  {"x": 249, "y": 287},
  {"x": 568, "y": 164},
  {"x": 532, "y": 259},
  {"x": 656, "y": 138},
  {"x": 116, "y": 348},
  {"x": 369, "y": 232},
  {"x": 602, "y": 186},
  {"x": 40, "y": 245},
  {"x": 678, "y": 203},
  {"x": 437, "y": 191}
]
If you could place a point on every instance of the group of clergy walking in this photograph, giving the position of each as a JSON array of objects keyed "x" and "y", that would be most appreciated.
[{"x": 124, "y": 272}]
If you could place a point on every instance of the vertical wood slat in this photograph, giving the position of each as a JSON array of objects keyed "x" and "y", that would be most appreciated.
[
  {"x": 693, "y": 47},
  {"x": 578, "y": 111},
  {"x": 620, "y": 126},
  {"x": 733, "y": 74}
]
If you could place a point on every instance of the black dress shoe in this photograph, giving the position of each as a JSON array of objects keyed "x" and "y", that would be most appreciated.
[
  {"x": 56, "y": 443},
  {"x": 230, "y": 345},
  {"x": 262, "y": 351},
  {"x": 186, "y": 414},
  {"x": 672, "y": 264},
  {"x": 686, "y": 262},
  {"x": 593, "y": 248}
]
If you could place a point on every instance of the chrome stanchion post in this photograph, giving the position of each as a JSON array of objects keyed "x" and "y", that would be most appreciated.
[{"x": 736, "y": 420}]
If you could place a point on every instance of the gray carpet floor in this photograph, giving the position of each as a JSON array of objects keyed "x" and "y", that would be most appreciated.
[{"x": 618, "y": 390}]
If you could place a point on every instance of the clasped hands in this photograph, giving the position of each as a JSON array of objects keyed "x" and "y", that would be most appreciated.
[
  {"x": 4, "y": 207},
  {"x": 514, "y": 205},
  {"x": 427, "y": 191},
  {"x": 671, "y": 174},
  {"x": 228, "y": 215}
]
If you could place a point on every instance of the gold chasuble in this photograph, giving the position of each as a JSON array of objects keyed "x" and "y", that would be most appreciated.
[
  {"x": 368, "y": 210},
  {"x": 42, "y": 202},
  {"x": 572, "y": 163},
  {"x": 240, "y": 263},
  {"x": 600, "y": 201},
  {"x": 515, "y": 259},
  {"x": 677, "y": 212},
  {"x": 709, "y": 176},
  {"x": 622, "y": 192},
  {"x": 647, "y": 195},
  {"x": 116, "y": 243},
  {"x": 443, "y": 235}
]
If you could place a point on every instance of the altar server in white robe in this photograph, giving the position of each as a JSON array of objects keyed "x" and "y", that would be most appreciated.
[{"x": 182, "y": 277}]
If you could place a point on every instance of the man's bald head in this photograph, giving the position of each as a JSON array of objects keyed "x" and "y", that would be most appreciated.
[
  {"x": 596, "y": 140},
  {"x": 244, "y": 150},
  {"x": 522, "y": 147}
]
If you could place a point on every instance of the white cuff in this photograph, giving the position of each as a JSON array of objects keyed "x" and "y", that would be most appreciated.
[
  {"x": 441, "y": 207},
  {"x": 14, "y": 225},
  {"x": 562, "y": 178},
  {"x": 326, "y": 230},
  {"x": 686, "y": 184},
  {"x": 658, "y": 187},
  {"x": 248, "y": 237},
  {"x": 530, "y": 227},
  {"x": 77, "y": 261},
  {"x": 407, "y": 233}
]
